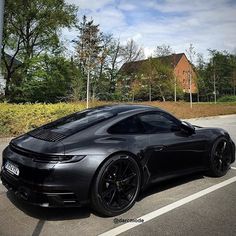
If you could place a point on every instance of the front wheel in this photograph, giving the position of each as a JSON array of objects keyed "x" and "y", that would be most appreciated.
[
  {"x": 116, "y": 186},
  {"x": 220, "y": 158}
]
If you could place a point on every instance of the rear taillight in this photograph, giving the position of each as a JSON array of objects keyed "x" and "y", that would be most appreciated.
[
  {"x": 58, "y": 158},
  {"x": 45, "y": 158}
]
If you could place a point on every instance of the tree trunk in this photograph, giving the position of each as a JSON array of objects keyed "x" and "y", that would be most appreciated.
[
  {"x": 94, "y": 93},
  {"x": 133, "y": 97},
  {"x": 150, "y": 93},
  {"x": 88, "y": 83},
  {"x": 7, "y": 92},
  {"x": 162, "y": 94},
  {"x": 8, "y": 80}
]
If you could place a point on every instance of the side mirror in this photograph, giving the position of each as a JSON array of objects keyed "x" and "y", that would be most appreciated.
[
  {"x": 175, "y": 128},
  {"x": 186, "y": 126}
]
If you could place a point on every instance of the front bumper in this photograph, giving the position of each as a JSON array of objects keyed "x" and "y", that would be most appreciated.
[{"x": 50, "y": 185}]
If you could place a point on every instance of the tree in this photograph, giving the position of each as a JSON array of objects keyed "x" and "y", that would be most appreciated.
[
  {"x": 88, "y": 47},
  {"x": 49, "y": 80},
  {"x": 216, "y": 77},
  {"x": 131, "y": 52},
  {"x": 113, "y": 62},
  {"x": 203, "y": 88},
  {"x": 136, "y": 88},
  {"x": 191, "y": 53},
  {"x": 221, "y": 72},
  {"x": 163, "y": 50},
  {"x": 100, "y": 82},
  {"x": 77, "y": 91},
  {"x": 31, "y": 28},
  {"x": 105, "y": 73},
  {"x": 106, "y": 40},
  {"x": 157, "y": 77},
  {"x": 233, "y": 72}
]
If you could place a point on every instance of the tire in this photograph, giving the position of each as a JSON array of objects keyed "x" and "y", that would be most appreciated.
[
  {"x": 220, "y": 157},
  {"x": 116, "y": 186}
]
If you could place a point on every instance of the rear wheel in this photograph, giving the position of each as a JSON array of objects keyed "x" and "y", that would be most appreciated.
[
  {"x": 221, "y": 157},
  {"x": 116, "y": 186}
]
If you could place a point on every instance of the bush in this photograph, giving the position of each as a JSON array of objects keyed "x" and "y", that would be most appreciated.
[
  {"x": 227, "y": 99},
  {"x": 16, "y": 119}
]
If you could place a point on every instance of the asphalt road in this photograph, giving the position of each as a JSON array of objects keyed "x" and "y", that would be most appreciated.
[{"x": 193, "y": 205}]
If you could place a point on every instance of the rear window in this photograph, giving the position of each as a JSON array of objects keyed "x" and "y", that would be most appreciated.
[{"x": 78, "y": 121}]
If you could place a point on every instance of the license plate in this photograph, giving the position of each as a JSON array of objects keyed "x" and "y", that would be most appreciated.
[{"x": 11, "y": 168}]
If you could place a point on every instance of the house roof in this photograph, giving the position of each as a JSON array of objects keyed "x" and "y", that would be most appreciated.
[{"x": 171, "y": 60}]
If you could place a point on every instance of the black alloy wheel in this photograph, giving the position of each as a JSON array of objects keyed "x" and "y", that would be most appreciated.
[
  {"x": 116, "y": 186},
  {"x": 221, "y": 157}
]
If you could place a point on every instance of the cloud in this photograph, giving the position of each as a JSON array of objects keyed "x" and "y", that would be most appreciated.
[
  {"x": 110, "y": 19},
  {"x": 184, "y": 5},
  {"x": 148, "y": 51},
  {"x": 206, "y": 24},
  {"x": 90, "y": 4},
  {"x": 127, "y": 6}
]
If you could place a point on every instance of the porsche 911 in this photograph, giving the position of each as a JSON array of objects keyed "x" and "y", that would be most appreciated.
[{"x": 105, "y": 156}]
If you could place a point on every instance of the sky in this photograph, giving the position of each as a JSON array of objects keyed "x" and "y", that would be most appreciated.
[{"x": 207, "y": 24}]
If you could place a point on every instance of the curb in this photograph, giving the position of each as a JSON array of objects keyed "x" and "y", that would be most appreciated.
[
  {"x": 210, "y": 117},
  {"x": 6, "y": 139}
]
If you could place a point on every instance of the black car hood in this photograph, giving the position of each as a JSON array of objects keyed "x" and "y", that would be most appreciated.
[{"x": 35, "y": 145}]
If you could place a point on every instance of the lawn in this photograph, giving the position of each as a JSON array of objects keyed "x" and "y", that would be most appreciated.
[{"x": 16, "y": 119}]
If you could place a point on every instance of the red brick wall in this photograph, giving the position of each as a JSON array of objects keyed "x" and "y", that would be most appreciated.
[{"x": 182, "y": 76}]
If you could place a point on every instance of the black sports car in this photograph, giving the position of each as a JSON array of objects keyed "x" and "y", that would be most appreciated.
[{"x": 105, "y": 155}]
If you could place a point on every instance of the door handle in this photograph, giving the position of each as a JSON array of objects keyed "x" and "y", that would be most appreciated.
[{"x": 158, "y": 148}]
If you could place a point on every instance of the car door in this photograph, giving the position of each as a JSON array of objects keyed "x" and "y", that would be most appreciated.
[{"x": 170, "y": 148}]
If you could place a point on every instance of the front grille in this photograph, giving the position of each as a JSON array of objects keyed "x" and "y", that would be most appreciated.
[{"x": 46, "y": 135}]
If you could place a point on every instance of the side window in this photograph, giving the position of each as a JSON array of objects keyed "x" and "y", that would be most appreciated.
[
  {"x": 129, "y": 125},
  {"x": 158, "y": 122}
]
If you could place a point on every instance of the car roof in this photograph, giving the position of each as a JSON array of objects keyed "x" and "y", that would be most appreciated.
[{"x": 121, "y": 108}]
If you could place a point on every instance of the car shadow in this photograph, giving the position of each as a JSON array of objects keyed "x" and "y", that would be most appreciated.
[
  {"x": 168, "y": 184},
  {"x": 51, "y": 214},
  {"x": 56, "y": 214}
]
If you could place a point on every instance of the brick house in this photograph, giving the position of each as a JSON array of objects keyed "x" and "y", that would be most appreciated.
[{"x": 181, "y": 69}]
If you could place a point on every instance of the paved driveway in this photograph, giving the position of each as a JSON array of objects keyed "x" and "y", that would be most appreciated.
[{"x": 194, "y": 205}]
